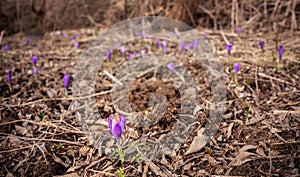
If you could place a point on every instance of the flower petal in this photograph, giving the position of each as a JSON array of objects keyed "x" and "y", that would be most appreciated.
[
  {"x": 122, "y": 121},
  {"x": 117, "y": 131}
]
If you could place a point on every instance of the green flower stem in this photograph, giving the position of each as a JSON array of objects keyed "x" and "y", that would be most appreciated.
[
  {"x": 179, "y": 75},
  {"x": 277, "y": 65},
  {"x": 235, "y": 78},
  {"x": 247, "y": 111}
]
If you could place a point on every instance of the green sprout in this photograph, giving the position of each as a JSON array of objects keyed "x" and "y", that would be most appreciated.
[
  {"x": 247, "y": 108},
  {"x": 120, "y": 172},
  {"x": 60, "y": 146}
]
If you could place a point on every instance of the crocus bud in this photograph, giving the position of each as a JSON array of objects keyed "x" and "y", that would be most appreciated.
[
  {"x": 157, "y": 42},
  {"x": 76, "y": 45},
  {"x": 165, "y": 49},
  {"x": 135, "y": 54},
  {"x": 122, "y": 48},
  {"x": 143, "y": 52},
  {"x": 182, "y": 47},
  {"x": 5, "y": 48},
  {"x": 262, "y": 44},
  {"x": 236, "y": 67},
  {"x": 239, "y": 30},
  {"x": 280, "y": 52},
  {"x": 195, "y": 43},
  {"x": 228, "y": 48},
  {"x": 67, "y": 81},
  {"x": 108, "y": 54},
  {"x": 128, "y": 57},
  {"x": 28, "y": 40},
  {"x": 171, "y": 67},
  {"x": 9, "y": 77},
  {"x": 34, "y": 59},
  {"x": 165, "y": 43}
]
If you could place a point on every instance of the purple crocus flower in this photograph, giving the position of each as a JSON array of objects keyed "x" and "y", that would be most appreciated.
[
  {"x": 195, "y": 43},
  {"x": 9, "y": 77},
  {"x": 76, "y": 45},
  {"x": 143, "y": 52},
  {"x": 228, "y": 48},
  {"x": 157, "y": 42},
  {"x": 262, "y": 44},
  {"x": 128, "y": 56},
  {"x": 28, "y": 40},
  {"x": 122, "y": 48},
  {"x": 171, "y": 67},
  {"x": 205, "y": 34},
  {"x": 280, "y": 52},
  {"x": 165, "y": 50},
  {"x": 34, "y": 59},
  {"x": 239, "y": 30},
  {"x": 135, "y": 54},
  {"x": 35, "y": 71},
  {"x": 72, "y": 37},
  {"x": 182, "y": 47},
  {"x": 236, "y": 67},
  {"x": 116, "y": 125},
  {"x": 67, "y": 81},
  {"x": 190, "y": 46},
  {"x": 108, "y": 54},
  {"x": 5, "y": 48},
  {"x": 164, "y": 43},
  {"x": 63, "y": 35}
]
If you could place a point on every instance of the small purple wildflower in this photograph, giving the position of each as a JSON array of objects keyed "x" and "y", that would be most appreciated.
[
  {"x": 72, "y": 37},
  {"x": 157, "y": 42},
  {"x": 63, "y": 35},
  {"x": 164, "y": 43},
  {"x": 128, "y": 56},
  {"x": 135, "y": 54},
  {"x": 34, "y": 59},
  {"x": 67, "y": 81},
  {"x": 190, "y": 46},
  {"x": 195, "y": 43},
  {"x": 143, "y": 52},
  {"x": 171, "y": 67},
  {"x": 239, "y": 30},
  {"x": 228, "y": 48},
  {"x": 76, "y": 45},
  {"x": 9, "y": 77},
  {"x": 236, "y": 67},
  {"x": 5, "y": 48},
  {"x": 122, "y": 48},
  {"x": 205, "y": 34},
  {"x": 262, "y": 44},
  {"x": 116, "y": 125},
  {"x": 28, "y": 40},
  {"x": 182, "y": 47},
  {"x": 165, "y": 50},
  {"x": 35, "y": 71},
  {"x": 280, "y": 52},
  {"x": 108, "y": 54}
]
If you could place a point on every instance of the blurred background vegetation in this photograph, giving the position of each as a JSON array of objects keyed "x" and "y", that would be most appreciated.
[{"x": 38, "y": 16}]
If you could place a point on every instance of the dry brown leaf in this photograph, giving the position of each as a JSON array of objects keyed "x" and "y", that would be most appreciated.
[
  {"x": 260, "y": 151},
  {"x": 198, "y": 143},
  {"x": 243, "y": 156},
  {"x": 210, "y": 159},
  {"x": 68, "y": 175},
  {"x": 229, "y": 130},
  {"x": 22, "y": 130}
]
